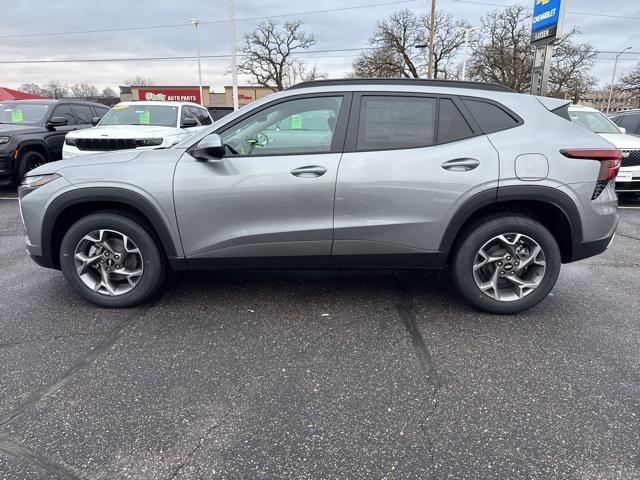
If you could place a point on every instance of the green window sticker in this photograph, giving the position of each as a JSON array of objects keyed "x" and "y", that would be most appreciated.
[
  {"x": 296, "y": 122},
  {"x": 16, "y": 116},
  {"x": 145, "y": 117}
]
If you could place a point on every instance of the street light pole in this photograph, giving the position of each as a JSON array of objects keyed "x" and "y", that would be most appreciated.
[
  {"x": 432, "y": 33},
  {"x": 234, "y": 66},
  {"x": 467, "y": 32},
  {"x": 613, "y": 77},
  {"x": 196, "y": 23}
]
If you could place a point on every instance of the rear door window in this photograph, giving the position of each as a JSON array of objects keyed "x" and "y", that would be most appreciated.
[
  {"x": 451, "y": 124},
  {"x": 490, "y": 116},
  {"x": 394, "y": 122},
  {"x": 201, "y": 114},
  {"x": 83, "y": 113}
]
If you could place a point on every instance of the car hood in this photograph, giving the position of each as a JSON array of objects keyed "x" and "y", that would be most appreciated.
[
  {"x": 623, "y": 141},
  {"x": 126, "y": 131},
  {"x": 17, "y": 129},
  {"x": 95, "y": 159}
]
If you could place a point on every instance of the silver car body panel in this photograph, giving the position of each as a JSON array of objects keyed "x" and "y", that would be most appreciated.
[{"x": 377, "y": 203}]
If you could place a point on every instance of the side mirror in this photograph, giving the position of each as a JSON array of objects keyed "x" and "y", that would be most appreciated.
[
  {"x": 209, "y": 148},
  {"x": 622, "y": 129},
  {"x": 188, "y": 123},
  {"x": 57, "y": 122},
  {"x": 95, "y": 120}
]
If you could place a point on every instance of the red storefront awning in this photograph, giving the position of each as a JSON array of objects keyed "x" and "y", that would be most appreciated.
[{"x": 9, "y": 94}]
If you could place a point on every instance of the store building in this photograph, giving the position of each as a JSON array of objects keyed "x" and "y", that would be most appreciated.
[{"x": 224, "y": 99}]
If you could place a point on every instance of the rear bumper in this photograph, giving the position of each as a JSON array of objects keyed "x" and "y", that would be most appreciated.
[{"x": 591, "y": 248}]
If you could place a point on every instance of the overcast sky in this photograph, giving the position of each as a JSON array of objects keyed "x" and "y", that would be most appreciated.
[{"x": 333, "y": 30}]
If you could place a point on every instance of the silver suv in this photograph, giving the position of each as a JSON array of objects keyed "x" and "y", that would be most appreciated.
[{"x": 499, "y": 186}]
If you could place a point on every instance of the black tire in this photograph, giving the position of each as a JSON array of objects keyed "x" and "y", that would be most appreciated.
[
  {"x": 27, "y": 161},
  {"x": 483, "y": 231},
  {"x": 153, "y": 271}
]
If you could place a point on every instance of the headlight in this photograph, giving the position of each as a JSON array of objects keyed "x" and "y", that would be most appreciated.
[
  {"x": 4, "y": 139},
  {"x": 72, "y": 142},
  {"x": 29, "y": 184},
  {"x": 148, "y": 142}
]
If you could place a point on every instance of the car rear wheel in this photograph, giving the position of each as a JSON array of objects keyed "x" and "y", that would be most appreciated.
[
  {"x": 111, "y": 260},
  {"x": 506, "y": 264}
]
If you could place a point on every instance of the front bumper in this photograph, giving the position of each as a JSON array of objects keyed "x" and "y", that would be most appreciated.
[{"x": 7, "y": 163}]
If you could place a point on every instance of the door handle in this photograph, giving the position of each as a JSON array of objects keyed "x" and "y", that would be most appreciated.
[
  {"x": 461, "y": 164},
  {"x": 311, "y": 171}
]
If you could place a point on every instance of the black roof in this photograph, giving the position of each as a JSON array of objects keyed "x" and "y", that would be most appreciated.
[{"x": 404, "y": 81}]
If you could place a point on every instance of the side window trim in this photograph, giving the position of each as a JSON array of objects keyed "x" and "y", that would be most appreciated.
[
  {"x": 338, "y": 140},
  {"x": 351, "y": 140}
]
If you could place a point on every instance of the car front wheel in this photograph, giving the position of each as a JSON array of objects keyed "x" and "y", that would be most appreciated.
[
  {"x": 111, "y": 260},
  {"x": 506, "y": 264}
]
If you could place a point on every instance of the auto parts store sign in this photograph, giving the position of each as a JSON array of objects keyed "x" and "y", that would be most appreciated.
[
  {"x": 169, "y": 94},
  {"x": 546, "y": 17}
]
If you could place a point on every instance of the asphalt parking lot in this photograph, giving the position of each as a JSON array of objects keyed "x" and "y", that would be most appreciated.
[{"x": 320, "y": 375}]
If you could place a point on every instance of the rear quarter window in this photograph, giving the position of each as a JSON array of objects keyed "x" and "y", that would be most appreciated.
[{"x": 490, "y": 117}]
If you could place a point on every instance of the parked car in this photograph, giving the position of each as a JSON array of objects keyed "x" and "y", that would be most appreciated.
[
  {"x": 500, "y": 186},
  {"x": 628, "y": 178},
  {"x": 32, "y": 132},
  {"x": 629, "y": 120},
  {"x": 139, "y": 125}
]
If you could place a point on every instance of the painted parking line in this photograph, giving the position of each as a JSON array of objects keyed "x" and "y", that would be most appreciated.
[
  {"x": 629, "y": 208},
  {"x": 8, "y": 198}
]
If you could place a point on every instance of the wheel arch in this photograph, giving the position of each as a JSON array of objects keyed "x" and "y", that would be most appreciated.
[
  {"x": 71, "y": 206},
  {"x": 36, "y": 146},
  {"x": 548, "y": 205}
]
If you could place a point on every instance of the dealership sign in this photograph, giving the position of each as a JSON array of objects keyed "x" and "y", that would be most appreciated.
[
  {"x": 170, "y": 94},
  {"x": 547, "y": 20}
]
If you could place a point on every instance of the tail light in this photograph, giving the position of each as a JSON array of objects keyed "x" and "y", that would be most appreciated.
[{"x": 610, "y": 160}]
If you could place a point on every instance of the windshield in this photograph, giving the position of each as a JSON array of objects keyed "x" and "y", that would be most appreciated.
[
  {"x": 153, "y": 115},
  {"x": 594, "y": 121},
  {"x": 23, "y": 113}
]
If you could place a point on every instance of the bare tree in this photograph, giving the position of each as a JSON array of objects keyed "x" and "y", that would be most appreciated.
[
  {"x": 301, "y": 72},
  {"x": 109, "y": 92},
  {"x": 631, "y": 81},
  {"x": 504, "y": 54},
  {"x": 268, "y": 54},
  {"x": 139, "y": 81},
  {"x": 394, "y": 52},
  {"x": 32, "y": 88},
  {"x": 569, "y": 76},
  {"x": 84, "y": 90},
  {"x": 55, "y": 89}
]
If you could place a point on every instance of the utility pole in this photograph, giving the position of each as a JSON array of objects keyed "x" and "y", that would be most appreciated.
[
  {"x": 467, "y": 32},
  {"x": 196, "y": 23},
  {"x": 234, "y": 65},
  {"x": 432, "y": 34},
  {"x": 613, "y": 77}
]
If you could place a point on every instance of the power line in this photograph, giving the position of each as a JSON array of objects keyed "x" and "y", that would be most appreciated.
[
  {"x": 179, "y": 57},
  {"x": 572, "y": 12},
  {"x": 207, "y": 22}
]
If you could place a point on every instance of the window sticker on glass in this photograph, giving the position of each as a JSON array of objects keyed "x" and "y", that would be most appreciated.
[
  {"x": 296, "y": 122},
  {"x": 145, "y": 117},
  {"x": 16, "y": 116}
]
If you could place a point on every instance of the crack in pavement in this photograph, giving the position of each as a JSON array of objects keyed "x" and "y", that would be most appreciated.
[
  {"x": 406, "y": 310},
  {"x": 28, "y": 457},
  {"x": 627, "y": 236},
  {"x": 48, "y": 339},
  {"x": 84, "y": 362}
]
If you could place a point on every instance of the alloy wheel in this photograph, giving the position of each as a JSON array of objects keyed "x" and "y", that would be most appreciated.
[
  {"x": 108, "y": 262},
  {"x": 509, "y": 267}
]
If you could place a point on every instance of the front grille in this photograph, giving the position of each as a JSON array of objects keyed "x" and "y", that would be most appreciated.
[
  {"x": 106, "y": 144},
  {"x": 628, "y": 186},
  {"x": 633, "y": 160}
]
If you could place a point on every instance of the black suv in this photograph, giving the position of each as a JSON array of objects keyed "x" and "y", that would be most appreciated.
[
  {"x": 629, "y": 120},
  {"x": 32, "y": 132}
]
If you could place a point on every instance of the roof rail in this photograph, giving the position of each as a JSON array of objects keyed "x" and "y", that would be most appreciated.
[{"x": 403, "y": 81}]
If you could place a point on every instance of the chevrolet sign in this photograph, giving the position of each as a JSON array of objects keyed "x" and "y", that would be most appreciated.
[{"x": 546, "y": 17}]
